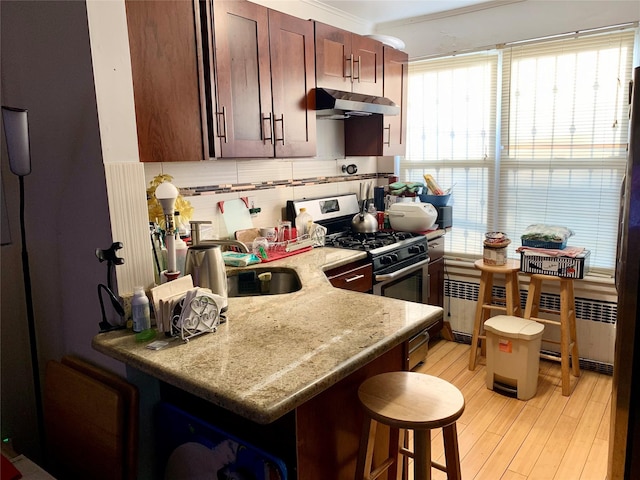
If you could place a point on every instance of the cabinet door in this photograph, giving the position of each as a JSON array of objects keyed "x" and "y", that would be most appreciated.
[
  {"x": 367, "y": 61},
  {"x": 333, "y": 57},
  {"x": 243, "y": 79},
  {"x": 166, "y": 65},
  {"x": 292, "y": 83},
  {"x": 395, "y": 88}
]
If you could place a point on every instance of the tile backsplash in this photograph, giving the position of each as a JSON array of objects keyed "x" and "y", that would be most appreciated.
[{"x": 269, "y": 183}]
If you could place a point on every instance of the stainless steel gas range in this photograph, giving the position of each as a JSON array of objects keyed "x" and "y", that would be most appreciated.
[{"x": 399, "y": 260}]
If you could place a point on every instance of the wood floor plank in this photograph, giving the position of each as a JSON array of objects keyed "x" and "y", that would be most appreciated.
[
  {"x": 509, "y": 475},
  {"x": 581, "y": 442},
  {"x": 605, "y": 424},
  {"x": 595, "y": 467},
  {"x": 498, "y": 463},
  {"x": 581, "y": 394},
  {"x": 549, "y": 460},
  {"x": 478, "y": 455},
  {"x": 473, "y": 432},
  {"x": 508, "y": 415},
  {"x": 533, "y": 445}
]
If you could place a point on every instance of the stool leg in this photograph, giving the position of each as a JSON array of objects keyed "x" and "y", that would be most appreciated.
[
  {"x": 533, "y": 298},
  {"x": 484, "y": 297},
  {"x": 512, "y": 291},
  {"x": 575, "y": 356},
  {"x": 395, "y": 437},
  {"x": 365, "y": 452},
  {"x": 565, "y": 339},
  {"x": 422, "y": 455},
  {"x": 451, "y": 452}
]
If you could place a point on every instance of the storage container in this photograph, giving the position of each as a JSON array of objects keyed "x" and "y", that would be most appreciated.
[
  {"x": 513, "y": 355},
  {"x": 436, "y": 200},
  {"x": 567, "y": 267}
]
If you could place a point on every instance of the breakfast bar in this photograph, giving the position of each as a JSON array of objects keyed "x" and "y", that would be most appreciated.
[{"x": 295, "y": 357}]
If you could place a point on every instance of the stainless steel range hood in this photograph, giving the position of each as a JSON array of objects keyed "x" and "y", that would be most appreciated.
[{"x": 354, "y": 104}]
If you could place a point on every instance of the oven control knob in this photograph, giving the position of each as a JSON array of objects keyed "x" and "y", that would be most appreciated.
[
  {"x": 416, "y": 249},
  {"x": 389, "y": 259}
]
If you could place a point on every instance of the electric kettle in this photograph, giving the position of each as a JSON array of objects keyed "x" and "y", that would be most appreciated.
[{"x": 206, "y": 265}]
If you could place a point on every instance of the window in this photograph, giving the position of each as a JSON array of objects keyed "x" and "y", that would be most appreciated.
[{"x": 529, "y": 133}]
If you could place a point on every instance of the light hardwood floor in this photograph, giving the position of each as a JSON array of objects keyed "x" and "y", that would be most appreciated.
[{"x": 549, "y": 437}]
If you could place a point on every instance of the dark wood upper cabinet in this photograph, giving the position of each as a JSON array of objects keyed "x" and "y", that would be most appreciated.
[
  {"x": 386, "y": 135},
  {"x": 395, "y": 84},
  {"x": 347, "y": 61},
  {"x": 168, "y": 80},
  {"x": 292, "y": 83},
  {"x": 264, "y": 94}
]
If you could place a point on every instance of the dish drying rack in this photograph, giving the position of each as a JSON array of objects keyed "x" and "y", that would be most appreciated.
[{"x": 304, "y": 243}]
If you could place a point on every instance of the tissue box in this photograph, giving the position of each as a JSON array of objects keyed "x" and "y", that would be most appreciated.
[{"x": 568, "y": 267}]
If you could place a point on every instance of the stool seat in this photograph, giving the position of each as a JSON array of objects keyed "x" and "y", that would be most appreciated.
[
  {"x": 410, "y": 401},
  {"x": 510, "y": 305}
]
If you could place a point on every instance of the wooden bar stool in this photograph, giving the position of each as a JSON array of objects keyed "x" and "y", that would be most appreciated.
[
  {"x": 487, "y": 302},
  {"x": 568, "y": 339},
  {"x": 409, "y": 401}
]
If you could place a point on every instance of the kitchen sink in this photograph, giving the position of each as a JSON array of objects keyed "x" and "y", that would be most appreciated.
[{"x": 262, "y": 281}]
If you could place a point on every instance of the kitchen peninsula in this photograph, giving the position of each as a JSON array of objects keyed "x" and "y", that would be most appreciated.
[{"x": 293, "y": 361}]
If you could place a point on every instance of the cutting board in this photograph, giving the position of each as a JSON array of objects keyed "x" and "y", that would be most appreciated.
[
  {"x": 85, "y": 424},
  {"x": 236, "y": 216},
  {"x": 247, "y": 236}
]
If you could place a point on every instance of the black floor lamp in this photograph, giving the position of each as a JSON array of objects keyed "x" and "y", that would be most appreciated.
[{"x": 16, "y": 130}]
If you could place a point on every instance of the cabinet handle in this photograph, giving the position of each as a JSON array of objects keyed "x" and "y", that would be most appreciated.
[
  {"x": 359, "y": 62},
  {"x": 281, "y": 120},
  {"x": 350, "y": 60},
  {"x": 353, "y": 279},
  {"x": 388, "y": 142},
  {"x": 264, "y": 133},
  {"x": 224, "y": 123}
]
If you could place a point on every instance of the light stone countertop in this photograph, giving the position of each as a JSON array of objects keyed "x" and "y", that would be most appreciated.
[{"x": 275, "y": 352}]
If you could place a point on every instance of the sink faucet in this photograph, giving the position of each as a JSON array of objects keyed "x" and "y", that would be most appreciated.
[
  {"x": 195, "y": 238},
  {"x": 227, "y": 243}
]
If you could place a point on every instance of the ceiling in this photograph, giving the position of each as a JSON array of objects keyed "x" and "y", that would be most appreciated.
[{"x": 381, "y": 11}]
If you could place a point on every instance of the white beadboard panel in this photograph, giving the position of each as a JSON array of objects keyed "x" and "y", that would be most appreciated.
[
  {"x": 263, "y": 170},
  {"x": 130, "y": 224},
  {"x": 195, "y": 174}
]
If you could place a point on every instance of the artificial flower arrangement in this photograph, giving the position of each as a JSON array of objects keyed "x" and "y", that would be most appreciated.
[{"x": 156, "y": 214}]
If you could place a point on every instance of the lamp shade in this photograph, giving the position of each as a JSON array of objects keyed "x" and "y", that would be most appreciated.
[{"x": 16, "y": 130}]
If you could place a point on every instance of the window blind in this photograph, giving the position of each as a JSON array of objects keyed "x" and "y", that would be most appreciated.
[
  {"x": 451, "y": 134},
  {"x": 531, "y": 133}
]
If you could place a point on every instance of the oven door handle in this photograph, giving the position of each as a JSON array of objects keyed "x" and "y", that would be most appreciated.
[{"x": 403, "y": 271}]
